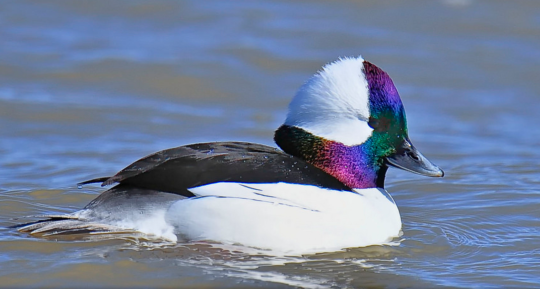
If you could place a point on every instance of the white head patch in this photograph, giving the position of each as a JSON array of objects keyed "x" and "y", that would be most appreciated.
[{"x": 334, "y": 103}]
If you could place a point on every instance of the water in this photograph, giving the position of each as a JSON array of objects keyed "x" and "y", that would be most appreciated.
[{"x": 87, "y": 87}]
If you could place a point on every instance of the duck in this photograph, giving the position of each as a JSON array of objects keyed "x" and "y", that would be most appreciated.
[{"x": 322, "y": 190}]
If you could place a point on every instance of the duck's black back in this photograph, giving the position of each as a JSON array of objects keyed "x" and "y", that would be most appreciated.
[{"x": 177, "y": 169}]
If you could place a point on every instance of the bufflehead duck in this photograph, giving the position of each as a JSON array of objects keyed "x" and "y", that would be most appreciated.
[{"x": 323, "y": 191}]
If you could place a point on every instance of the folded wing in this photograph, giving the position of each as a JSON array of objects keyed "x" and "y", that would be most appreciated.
[{"x": 177, "y": 169}]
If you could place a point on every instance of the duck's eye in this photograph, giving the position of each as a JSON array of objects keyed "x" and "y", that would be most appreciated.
[
  {"x": 379, "y": 124},
  {"x": 373, "y": 123}
]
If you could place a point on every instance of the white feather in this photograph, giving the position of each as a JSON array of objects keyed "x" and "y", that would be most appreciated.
[
  {"x": 150, "y": 222},
  {"x": 334, "y": 103},
  {"x": 288, "y": 218}
]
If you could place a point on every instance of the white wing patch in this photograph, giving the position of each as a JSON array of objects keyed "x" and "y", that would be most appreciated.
[
  {"x": 271, "y": 193},
  {"x": 334, "y": 103}
]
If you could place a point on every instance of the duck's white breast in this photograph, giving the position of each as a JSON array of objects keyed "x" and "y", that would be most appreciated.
[{"x": 284, "y": 217}]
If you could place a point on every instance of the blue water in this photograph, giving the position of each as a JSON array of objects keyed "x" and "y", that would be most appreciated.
[{"x": 88, "y": 87}]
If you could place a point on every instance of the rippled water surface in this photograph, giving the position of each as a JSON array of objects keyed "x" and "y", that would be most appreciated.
[{"x": 86, "y": 87}]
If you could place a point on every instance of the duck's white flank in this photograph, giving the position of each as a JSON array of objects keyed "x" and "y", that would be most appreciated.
[
  {"x": 334, "y": 103},
  {"x": 288, "y": 218}
]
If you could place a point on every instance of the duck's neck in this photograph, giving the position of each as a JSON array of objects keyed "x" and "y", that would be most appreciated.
[{"x": 355, "y": 166}]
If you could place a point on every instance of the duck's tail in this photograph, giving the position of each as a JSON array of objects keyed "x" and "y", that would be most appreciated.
[
  {"x": 121, "y": 209},
  {"x": 55, "y": 225}
]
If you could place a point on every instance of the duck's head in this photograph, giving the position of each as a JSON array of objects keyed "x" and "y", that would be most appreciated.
[{"x": 349, "y": 121}]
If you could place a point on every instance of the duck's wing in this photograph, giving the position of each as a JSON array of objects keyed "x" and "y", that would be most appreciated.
[{"x": 177, "y": 169}]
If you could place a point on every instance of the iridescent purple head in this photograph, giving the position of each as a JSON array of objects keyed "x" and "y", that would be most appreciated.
[{"x": 348, "y": 120}]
